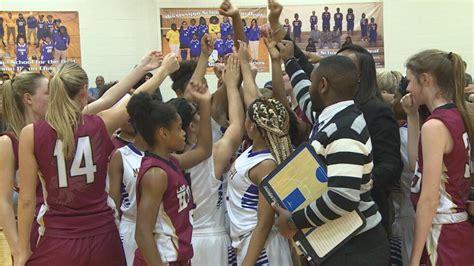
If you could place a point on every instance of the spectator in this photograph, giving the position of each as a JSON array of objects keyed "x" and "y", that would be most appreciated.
[{"x": 94, "y": 92}]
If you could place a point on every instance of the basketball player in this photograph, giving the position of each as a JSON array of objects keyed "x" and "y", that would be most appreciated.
[
  {"x": 47, "y": 52},
  {"x": 364, "y": 24},
  {"x": 16, "y": 114},
  {"x": 297, "y": 24},
  {"x": 442, "y": 151},
  {"x": 52, "y": 229},
  {"x": 21, "y": 51},
  {"x": 202, "y": 28},
  {"x": 195, "y": 47},
  {"x": 313, "y": 20},
  {"x": 219, "y": 47},
  {"x": 251, "y": 216},
  {"x": 50, "y": 23},
  {"x": 192, "y": 28},
  {"x": 229, "y": 44},
  {"x": 164, "y": 200},
  {"x": 350, "y": 21},
  {"x": 326, "y": 17},
  {"x": 210, "y": 240},
  {"x": 372, "y": 32},
  {"x": 40, "y": 34},
  {"x": 287, "y": 27},
  {"x": 338, "y": 17},
  {"x": 21, "y": 26},
  {"x": 226, "y": 27},
  {"x": 254, "y": 39},
  {"x": 184, "y": 37}
]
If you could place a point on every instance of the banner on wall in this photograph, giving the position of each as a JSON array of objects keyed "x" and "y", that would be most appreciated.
[
  {"x": 324, "y": 29},
  {"x": 38, "y": 41},
  {"x": 183, "y": 28}
]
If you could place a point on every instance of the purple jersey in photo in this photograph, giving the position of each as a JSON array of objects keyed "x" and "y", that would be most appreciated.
[
  {"x": 184, "y": 37},
  {"x": 254, "y": 34},
  {"x": 32, "y": 22},
  {"x": 75, "y": 199},
  {"x": 192, "y": 30},
  {"x": 219, "y": 46},
  {"x": 202, "y": 29},
  {"x": 287, "y": 28},
  {"x": 226, "y": 29},
  {"x": 50, "y": 26},
  {"x": 47, "y": 50},
  {"x": 313, "y": 20},
  {"x": 326, "y": 17},
  {"x": 297, "y": 26},
  {"x": 176, "y": 205},
  {"x": 21, "y": 23},
  {"x": 41, "y": 29},
  {"x": 61, "y": 42},
  {"x": 228, "y": 45},
  {"x": 195, "y": 48},
  {"x": 22, "y": 52}
]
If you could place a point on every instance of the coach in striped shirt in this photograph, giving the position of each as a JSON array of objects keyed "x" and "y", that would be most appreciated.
[{"x": 341, "y": 139}]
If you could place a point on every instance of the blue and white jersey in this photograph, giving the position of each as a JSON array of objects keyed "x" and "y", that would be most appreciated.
[
  {"x": 242, "y": 193},
  {"x": 208, "y": 195},
  {"x": 132, "y": 160}
]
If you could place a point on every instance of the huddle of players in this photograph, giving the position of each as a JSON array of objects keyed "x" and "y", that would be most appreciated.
[
  {"x": 368, "y": 30},
  {"x": 171, "y": 158},
  {"x": 50, "y": 33}
]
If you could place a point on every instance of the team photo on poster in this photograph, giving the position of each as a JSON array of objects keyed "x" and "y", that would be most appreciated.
[
  {"x": 182, "y": 30},
  {"x": 37, "y": 41},
  {"x": 324, "y": 29}
]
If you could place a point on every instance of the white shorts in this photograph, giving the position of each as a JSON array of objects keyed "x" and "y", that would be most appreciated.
[
  {"x": 212, "y": 248},
  {"x": 275, "y": 252},
  {"x": 127, "y": 234}
]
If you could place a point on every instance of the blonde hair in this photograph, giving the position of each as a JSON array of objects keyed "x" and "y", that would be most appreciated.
[
  {"x": 273, "y": 121},
  {"x": 63, "y": 111},
  {"x": 12, "y": 99},
  {"x": 389, "y": 81},
  {"x": 448, "y": 71}
]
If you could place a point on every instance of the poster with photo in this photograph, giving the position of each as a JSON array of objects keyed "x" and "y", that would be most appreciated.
[
  {"x": 38, "y": 41},
  {"x": 325, "y": 28},
  {"x": 183, "y": 28}
]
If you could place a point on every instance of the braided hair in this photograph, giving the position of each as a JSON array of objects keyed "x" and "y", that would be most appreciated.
[{"x": 273, "y": 122}]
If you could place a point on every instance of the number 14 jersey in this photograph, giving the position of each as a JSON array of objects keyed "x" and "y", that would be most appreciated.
[{"x": 75, "y": 201}]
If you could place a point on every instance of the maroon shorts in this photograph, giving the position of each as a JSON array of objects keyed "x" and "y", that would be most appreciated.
[{"x": 103, "y": 249}]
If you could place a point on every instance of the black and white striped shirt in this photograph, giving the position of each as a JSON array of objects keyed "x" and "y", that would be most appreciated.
[{"x": 343, "y": 143}]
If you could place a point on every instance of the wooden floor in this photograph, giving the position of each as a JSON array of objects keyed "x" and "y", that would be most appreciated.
[{"x": 5, "y": 257}]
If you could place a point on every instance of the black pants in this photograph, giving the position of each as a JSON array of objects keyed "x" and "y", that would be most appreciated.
[{"x": 369, "y": 248}]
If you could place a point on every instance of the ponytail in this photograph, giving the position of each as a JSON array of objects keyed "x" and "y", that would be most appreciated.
[
  {"x": 63, "y": 111},
  {"x": 467, "y": 111},
  {"x": 12, "y": 99}
]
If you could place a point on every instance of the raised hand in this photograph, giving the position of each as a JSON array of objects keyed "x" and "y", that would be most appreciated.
[
  {"x": 409, "y": 105},
  {"x": 287, "y": 49},
  {"x": 151, "y": 60},
  {"x": 275, "y": 12},
  {"x": 206, "y": 45},
  {"x": 199, "y": 91},
  {"x": 272, "y": 49},
  {"x": 244, "y": 54},
  {"x": 226, "y": 9},
  {"x": 232, "y": 72},
  {"x": 170, "y": 63}
]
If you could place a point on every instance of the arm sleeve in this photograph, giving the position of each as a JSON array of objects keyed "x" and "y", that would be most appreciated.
[{"x": 301, "y": 84}]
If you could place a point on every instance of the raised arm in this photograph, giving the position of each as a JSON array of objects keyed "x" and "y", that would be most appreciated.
[
  {"x": 250, "y": 89},
  {"x": 226, "y": 9},
  {"x": 27, "y": 199},
  {"x": 7, "y": 212},
  {"x": 203, "y": 150},
  {"x": 278, "y": 84},
  {"x": 206, "y": 50},
  {"x": 151, "y": 61},
  {"x": 226, "y": 147},
  {"x": 299, "y": 79},
  {"x": 152, "y": 188},
  {"x": 115, "y": 116}
]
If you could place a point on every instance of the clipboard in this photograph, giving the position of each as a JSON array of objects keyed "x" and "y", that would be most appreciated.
[{"x": 299, "y": 181}]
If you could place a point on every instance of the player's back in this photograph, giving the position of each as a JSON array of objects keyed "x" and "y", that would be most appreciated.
[{"x": 75, "y": 199}]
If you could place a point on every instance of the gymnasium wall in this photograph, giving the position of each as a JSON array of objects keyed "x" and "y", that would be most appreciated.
[{"x": 116, "y": 33}]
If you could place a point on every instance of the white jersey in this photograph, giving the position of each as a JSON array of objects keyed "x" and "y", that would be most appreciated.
[
  {"x": 242, "y": 194},
  {"x": 208, "y": 197},
  {"x": 132, "y": 159},
  {"x": 217, "y": 131}
]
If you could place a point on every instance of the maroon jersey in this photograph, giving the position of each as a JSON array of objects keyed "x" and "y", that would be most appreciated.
[
  {"x": 75, "y": 203},
  {"x": 173, "y": 227},
  {"x": 455, "y": 177},
  {"x": 14, "y": 141}
]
